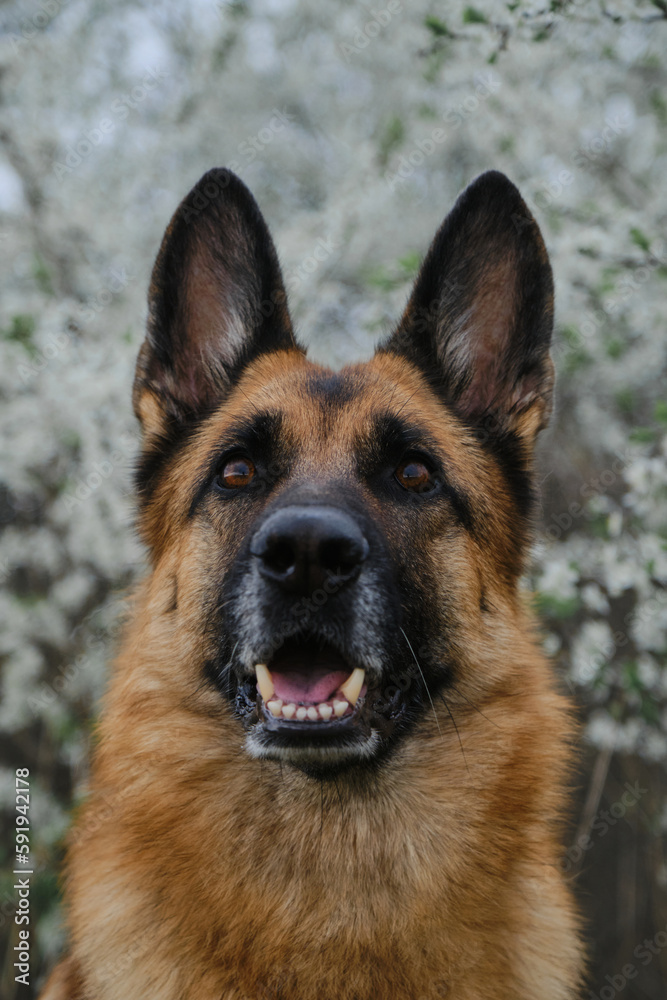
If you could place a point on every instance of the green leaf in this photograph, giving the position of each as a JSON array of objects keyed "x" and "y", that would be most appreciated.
[
  {"x": 506, "y": 144},
  {"x": 436, "y": 26},
  {"x": 556, "y": 607},
  {"x": 237, "y": 8},
  {"x": 571, "y": 335},
  {"x": 660, "y": 412},
  {"x": 391, "y": 137},
  {"x": 21, "y": 331},
  {"x": 631, "y": 681},
  {"x": 640, "y": 239},
  {"x": 598, "y": 526},
  {"x": 393, "y": 276},
  {"x": 40, "y": 273},
  {"x": 659, "y": 105},
  {"x": 575, "y": 359},
  {"x": 650, "y": 711},
  {"x": 642, "y": 435},
  {"x": 410, "y": 263},
  {"x": 615, "y": 348},
  {"x": 473, "y": 16},
  {"x": 625, "y": 400},
  {"x": 379, "y": 277}
]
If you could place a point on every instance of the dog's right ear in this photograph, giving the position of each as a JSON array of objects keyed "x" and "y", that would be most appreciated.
[
  {"x": 478, "y": 323},
  {"x": 216, "y": 300}
]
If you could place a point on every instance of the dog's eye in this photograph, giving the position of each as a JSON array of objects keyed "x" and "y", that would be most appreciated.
[
  {"x": 236, "y": 472},
  {"x": 415, "y": 475}
]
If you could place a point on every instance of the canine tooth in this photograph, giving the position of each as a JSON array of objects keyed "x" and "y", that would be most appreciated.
[
  {"x": 289, "y": 711},
  {"x": 326, "y": 711},
  {"x": 340, "y": 707},
  {"x": 301, "y": 713},
  {"x": 313, "y": 714},
  {"x": 264, "y": 682},
  {"x": 353, "y": 685},
  {"x": 275, "y": 707}
]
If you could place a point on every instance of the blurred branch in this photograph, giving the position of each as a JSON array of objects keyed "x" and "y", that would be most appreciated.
[{"x": 595, "y": 790}]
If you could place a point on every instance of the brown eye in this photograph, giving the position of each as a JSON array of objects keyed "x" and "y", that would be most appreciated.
[
  {"x": 414, "y": 475},
  {"x": 237, "y": 472}
]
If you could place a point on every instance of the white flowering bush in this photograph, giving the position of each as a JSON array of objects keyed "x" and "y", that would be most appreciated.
[{"x": 355, "y": 125}]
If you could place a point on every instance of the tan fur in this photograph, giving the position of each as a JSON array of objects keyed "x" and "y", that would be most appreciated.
[{"x": 217, "y": 877}]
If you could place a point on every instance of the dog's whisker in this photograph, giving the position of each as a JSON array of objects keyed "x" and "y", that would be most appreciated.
[
  {"x": 228, "y": 668},
  {"x": 340, "y": 798},
  {"x": 250, "y": 402},
  {"x": 473, "y": 705},
  {"x": 444, "y": 701},
  {"x": 465, "y": 759},
  {"x": 321, "y": 806},
  {"x": 402, "y": 407},
  {"x": 435, "y": 714}
]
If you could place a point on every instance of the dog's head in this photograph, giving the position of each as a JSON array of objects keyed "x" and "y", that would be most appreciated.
[{"x": 340, "y": 549}]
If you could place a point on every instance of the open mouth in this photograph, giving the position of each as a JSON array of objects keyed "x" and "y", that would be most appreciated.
[
  {"x": 309, "y": 705},
  {"x": 306, "y": 682}
]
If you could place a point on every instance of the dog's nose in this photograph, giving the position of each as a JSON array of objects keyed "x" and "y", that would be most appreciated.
[{"x": 301, "y": 548}]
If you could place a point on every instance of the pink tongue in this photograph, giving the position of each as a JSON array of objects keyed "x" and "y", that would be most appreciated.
[{"x": 311, "y": 688}]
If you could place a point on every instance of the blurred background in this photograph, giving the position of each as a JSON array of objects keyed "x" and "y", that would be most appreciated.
[{"x": 355, "y": 125}]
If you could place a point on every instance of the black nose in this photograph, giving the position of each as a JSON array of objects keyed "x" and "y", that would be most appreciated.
[{"x": 301, "y": 548}]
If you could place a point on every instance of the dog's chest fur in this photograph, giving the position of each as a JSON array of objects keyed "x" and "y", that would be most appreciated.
[{"x": 235, "y": 882}]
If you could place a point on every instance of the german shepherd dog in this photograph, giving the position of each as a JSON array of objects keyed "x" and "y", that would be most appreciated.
[{"x": 332, "y": 762}]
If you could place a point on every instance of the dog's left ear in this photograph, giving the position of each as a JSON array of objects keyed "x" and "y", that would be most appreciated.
[
  {"x": 479, "y": 320},
  {"x": 216, "y": 300}
]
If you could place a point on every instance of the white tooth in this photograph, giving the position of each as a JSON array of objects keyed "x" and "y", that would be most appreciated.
[
  {"x": 313, "y": 714},
  {"x": 264, "y": 682},
  {"x": 340, "y": 707},
  {"x": 289, "y": 711},
  {"x": 353, "y": 685},
  {"x": 326, "y": 711},
  {"x": 275, "y": 707},
  {"x": 301, "y": 713}
]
